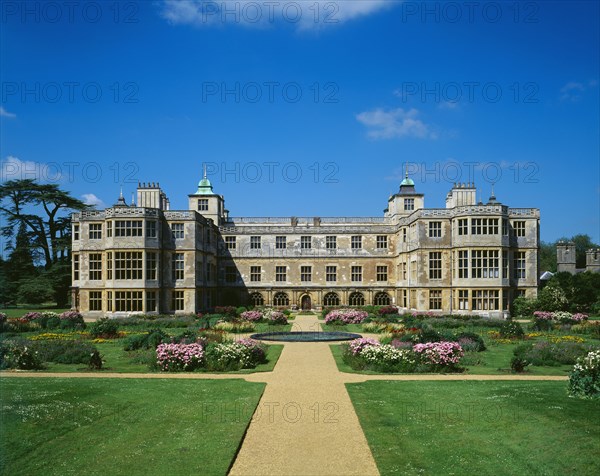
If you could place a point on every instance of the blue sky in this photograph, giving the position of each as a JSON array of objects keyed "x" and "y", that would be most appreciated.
[{"x": 303, "y": 115}]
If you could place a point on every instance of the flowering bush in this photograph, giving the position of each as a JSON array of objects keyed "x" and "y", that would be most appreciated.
[
  {"x": 543, "y": 316},
  {"x": 176, "y": 357},
  {"x": 257, "y": 350},
  {"x": 235, "y": 327},
  {"x": 357, "y": 345},
  {"x": 252, "y": 316},
  {"x": 543, "y": 319},
  {"x": 345, "y": 316},
  {"x": 245, "y": 353},
  {"x": 275, "y": 317},
  {"x": 584, "y": 380},
  {"x": 32, "y": 316},
  {"x": 441, "y": 354},
  {"x": 21, "y": 355},
  {"x": 384, "y": 310},
  {"x": 105, "y": 328}
]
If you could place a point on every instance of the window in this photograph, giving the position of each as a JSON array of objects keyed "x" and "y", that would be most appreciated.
[
  {"x": 520, "y": 264},
  {"x": 255, "y": 243},
  {"x": 109, "y": 265},
  {"x": 95, "y": 300},
  {"x": 126, "y": 301},
  {"x": 230, "y": 274},
  {"x": 382, "y": 242},
  {"x": 356, "y": 242},
  {"x": 435, "y": 299},
  {"x": 208, "y": 235},
  {"x": 151, "y": 266},
  {"x": 178, "y": 301},
  {"x": 151, "y": 229},
  {"x": 435, "y": 229},
  {"x": 177, "y": 230},
  {"x": 230, "y": 242},
  {"x": 409, "y": 204},
  {"x": 463, "y": 226},
  {"x": 203, "y": 204},
  {"x": 95, "y": 266},
  {"x": 178, "y": 266},
  {"x": 403, "y": 270},
  {"x": 257, "y": 299},
  {"x": 331, "y": 299},
  {"x": 331, "y": 274},
  {"x": 305, "y": 242},
  {"x": 76, "y": 232},
  {"x": 356, "y": 299},
  {"x": 435, "y": 265},
  {"x": 382, "y": 273},
  {"x": 519, "y": 228},
  {"x": 281, "y": 299},
  {"x": 109, "y": 301},
  {"x": 404, "y": 298},
  {"x": 255, "y": 272},
  {"x": 463, "y": 299},
  {"x": 504, "y": 227},
  {"x": 128, "y": 265},
  {"x": 109, "y": 228},
  {"x": 356, "y": 274},
  {"x": 75, "y": 267},
  {"x": 403, "y": 235},
  {"x": 280, "y": 242},
  {"x": 463, "y": 264},
  {"x": 95, "y": 231},
  {"x": 151, "y": 301},
  {"x": 484, "y": 226},
  {"x": 305, "y": 273},
  {"x": 504, "y": 264},
  {"x": 485, "y": 299},
  {"x": 382, "y": 299},
  {"x": 280, "y": 274},
  {"x": 331, "y": 242},
  {"x": 128, "y": 228},
  {"x": 484, "y": 264}
]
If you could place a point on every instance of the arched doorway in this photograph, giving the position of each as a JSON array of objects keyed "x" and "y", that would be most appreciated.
[{"x": 306, "y": 303}]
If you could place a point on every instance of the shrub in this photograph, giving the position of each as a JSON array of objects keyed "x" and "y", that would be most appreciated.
[
  {"x": 71, "y": 320},
  {"x": 149, "y": 340},
  {"x": 177, "y": 357},
  {"x": 251, "y": 316},
  {"x": 387, "y": 358},
  {"x": 440, "y": 354},
  {"x": 511, "y": 330},
  {"x": 275, "y": 317},
  {"x": 587, "y": 327},
  {"x": 105, "y": 328},
  {"x": 65, "y": 351},
  {"x": 245, "y": 353},
  {"x": 523, "y": 306},
  {"x": 19, "y": 354},
  {"x": 472, "y": 342},
  {"x": 235, "y": 327},
  {"x": 385, "y": 310},
  {"x": 3, "y": 321},
  {"x": 544, "y": 353},
  {"x": 96, "y": 361},
  {"x": 357, "y": 345},
  {"x": 345, "y": 316},
  {"x": 518, "y": 364},
  {"x": 584, "y": 380},
  {"x": 226, "y": 310}
]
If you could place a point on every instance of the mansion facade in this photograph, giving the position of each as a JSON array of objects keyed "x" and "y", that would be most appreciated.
[{"x": 468, "y": 257}]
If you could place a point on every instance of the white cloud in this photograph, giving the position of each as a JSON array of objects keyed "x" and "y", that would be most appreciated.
[
  {"x": 448, "y": 105},
  {"x": 91, "y": 199},
  {"x": 13, "y": 168},
  {"x": 392, "y": 123},
  {"x": 303, "y": 15},
  {"x": 5, "y": 113},
  {"x": 574, "y": 90}
]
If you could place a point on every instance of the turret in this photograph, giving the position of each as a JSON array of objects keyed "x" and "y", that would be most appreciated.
[
  {"x": 565, "y": 256},
  {"x": 407, "y": 200},
  {"x": 206, "y": 202}
]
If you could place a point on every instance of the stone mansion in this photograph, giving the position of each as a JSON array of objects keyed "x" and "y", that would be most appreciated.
[{"x": 468, "y": 257}]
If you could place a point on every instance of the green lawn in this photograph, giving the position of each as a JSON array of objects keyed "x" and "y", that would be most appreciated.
[
  {"x": 123, "y": 426},
  {"x": 478, "y": 428}
]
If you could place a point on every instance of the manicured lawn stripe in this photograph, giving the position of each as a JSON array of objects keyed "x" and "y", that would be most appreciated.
[
  {"x": 113, "y": 426},
  {"x": 478, "y": 427}
]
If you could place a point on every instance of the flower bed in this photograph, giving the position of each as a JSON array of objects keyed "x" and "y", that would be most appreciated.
[
  {"x": 369, "y": 354},
  {"x": 584, "y": 380},
  {"x": 544, "y": 320},
  {"x": 251, "y": 316},
  {"x": 176, "y": 357},
  {"x": 345, "y": 316}
]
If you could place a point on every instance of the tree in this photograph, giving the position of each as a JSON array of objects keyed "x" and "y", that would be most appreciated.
[
  {"x": 547, "y": 257},
  {"x": 20, "y": 267},
  {"x": 43, "y": 211}
]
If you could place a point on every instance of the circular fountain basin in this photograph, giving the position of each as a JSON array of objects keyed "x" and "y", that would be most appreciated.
[{"x": 305, "y": 336}]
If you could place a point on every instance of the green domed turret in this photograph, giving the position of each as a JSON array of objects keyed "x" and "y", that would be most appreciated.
[{"x": 204, "y": 186}]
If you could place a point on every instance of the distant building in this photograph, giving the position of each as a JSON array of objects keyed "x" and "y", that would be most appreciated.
[
  {"x": 466, "y": 258},
  {"x": 566, "y": 258}
]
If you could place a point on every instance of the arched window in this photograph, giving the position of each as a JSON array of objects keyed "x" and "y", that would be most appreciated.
[
  {"x": 382, "y": 299},
  {"x": 331, "y": 299},
  {"x": 257, "y": 299},
  {"x": 356, "y": 299},
  {"x": 281, "y": 299}
]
